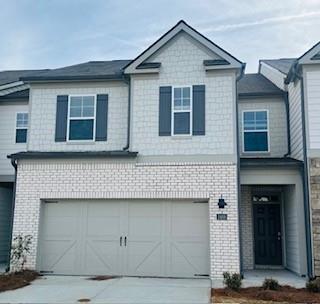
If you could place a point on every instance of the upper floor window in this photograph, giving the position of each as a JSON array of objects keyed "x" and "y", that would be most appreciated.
[
  {"x": 81, "y": 124},
  {"x": 255, "y": 131},
  {"x": 21, "y": 127},
  {"x": 181, "y": 111}
]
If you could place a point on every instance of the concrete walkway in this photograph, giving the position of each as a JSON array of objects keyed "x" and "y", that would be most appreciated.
[{"x": 69, "y": 289}]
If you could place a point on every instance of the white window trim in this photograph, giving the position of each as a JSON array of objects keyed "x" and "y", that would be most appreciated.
[
  {"x": 251, "y": 131},
  {"x": 181, "y": 111},
  {"x": 20, "y": 128},
  {"x": 82, "y": 118}
]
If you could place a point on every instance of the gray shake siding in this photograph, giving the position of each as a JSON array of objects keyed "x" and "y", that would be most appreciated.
[{"x": 277, "y": 124}]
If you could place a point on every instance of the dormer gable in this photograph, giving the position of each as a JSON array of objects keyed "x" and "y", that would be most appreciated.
[{"x": 215, "y": 57}]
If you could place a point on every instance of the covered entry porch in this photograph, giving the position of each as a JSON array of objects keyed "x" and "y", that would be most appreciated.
[{"x": 272, "y": 221}]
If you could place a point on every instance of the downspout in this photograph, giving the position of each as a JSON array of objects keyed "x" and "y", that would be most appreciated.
[
  {"x": 14, "y": 164},
  {"x": 286, "y": 100},
  {"x": 238, "y": 167},
  {"x": 128, "y": 82},
  {"x": 305, "y": 176}
]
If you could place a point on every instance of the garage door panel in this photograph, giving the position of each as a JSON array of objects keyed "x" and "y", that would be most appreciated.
[
  {"x": 145, "y": 258},
  {"x": 101, "y": 257},
  {"x": 163, "y": 238},
  {"x": 59, "y": 256}
]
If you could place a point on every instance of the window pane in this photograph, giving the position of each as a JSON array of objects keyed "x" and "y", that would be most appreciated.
[
  {"x": 21, "y": 135},
  {"x": 22, "y": 120},
  {"x": 186, "y": 92},
  {"x": 256, "y": 141},
  {"x": 88, "y": 101},
  {"x": 177, "y": 93},
  {"x": 75, "y": 111},
  {"x": 261, "y": 115},
  {"x": 88, "y": 112},
  {"x": 75, "y": 101},
  {"x": 186, "y": 104},
  {"x": 177, "y": 104},
  {"x": 181, "y": 123},
  {"x": 248, "y": 116},
  {"x": 255, "y": 120},
  {"x": 81, "y": 129}
]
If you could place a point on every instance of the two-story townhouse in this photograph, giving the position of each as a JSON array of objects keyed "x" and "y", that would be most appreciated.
[
  {"x": 173, "y": 164},
  {"x": 300, "y": 77},
  {"x": 14, "y": 98}
]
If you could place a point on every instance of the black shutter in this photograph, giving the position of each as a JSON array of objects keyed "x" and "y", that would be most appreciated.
[
  {"x": 198, "y": 108},
  {"x": 101, "y": 117},
  {"x": 165, "y": 111},
  {"x": 61, "y": 118}
]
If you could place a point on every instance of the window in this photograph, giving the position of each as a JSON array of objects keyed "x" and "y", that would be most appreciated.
[
  {"x": 81, "y": 117},
  {"x": 181, "y": 111},
  {"x": 21, "y": 127},
  {"x": 255, "y": 131}
]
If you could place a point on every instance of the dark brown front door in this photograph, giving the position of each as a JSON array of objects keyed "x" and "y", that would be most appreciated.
[{"x": 267, "y": 234}]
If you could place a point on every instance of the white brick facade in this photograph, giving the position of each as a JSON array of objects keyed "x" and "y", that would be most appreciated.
[
  {"x": 246, "y": 228},
  {"x": 103, "y": 179}
]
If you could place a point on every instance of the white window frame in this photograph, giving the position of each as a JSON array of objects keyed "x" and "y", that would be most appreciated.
[
  {"x": 20, "y": 128},
  {"x": 251, "y": 131},
  {"x": 82, "y": 118},
  {"x": 173, "y": 111}
]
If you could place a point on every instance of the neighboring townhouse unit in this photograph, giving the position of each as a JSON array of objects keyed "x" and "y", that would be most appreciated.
[
  {"x": 301, "y": 79},
  {"x": 174, "y": 164}
]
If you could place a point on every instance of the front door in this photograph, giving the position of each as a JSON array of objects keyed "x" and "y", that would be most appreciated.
[{"x": 267, "y": 234}]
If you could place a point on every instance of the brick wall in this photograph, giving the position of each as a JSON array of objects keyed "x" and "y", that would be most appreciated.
[
  {"x": 315, "y": 206},
  {"x": 103, "y": 179},
  {"x": 246, "y": 228}
]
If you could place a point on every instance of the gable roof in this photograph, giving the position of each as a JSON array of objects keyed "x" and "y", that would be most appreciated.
[
  {"x": 283, "y": 65},
  {"x": 97, "y": 70},
  {"x": 257, "y": 85},
  {"x": 7, "y": 77},
  {"x": 310, "y": 55},
  {"x": 183, "y": 26}
]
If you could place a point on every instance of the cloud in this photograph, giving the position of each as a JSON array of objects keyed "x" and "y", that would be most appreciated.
[{"x": 266, "y": 21}]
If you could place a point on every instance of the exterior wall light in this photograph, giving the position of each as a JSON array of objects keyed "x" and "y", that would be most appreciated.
[{"x": 221, "y": 202}]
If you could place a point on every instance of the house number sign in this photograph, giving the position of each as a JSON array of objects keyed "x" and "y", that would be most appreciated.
[{"x": 222, "y": 217}]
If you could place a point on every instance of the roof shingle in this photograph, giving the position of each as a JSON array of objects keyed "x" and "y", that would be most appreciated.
[
  {"x": 283, "y": 64},
  {"x": 87, "y": 70},
  {"x": 257, "y": 84}
]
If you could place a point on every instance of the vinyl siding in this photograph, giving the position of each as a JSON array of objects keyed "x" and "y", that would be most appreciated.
[
  {"x": 8, "y": 145},
  {"x": 5, "y": 218},
  {"x": 294, "y": 95},
  {"x": 313, "y": 107},
  {"x": 273, "y": 75},
  {"x": 278, "y": 144}
]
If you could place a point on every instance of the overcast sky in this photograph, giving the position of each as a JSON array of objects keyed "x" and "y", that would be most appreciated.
[{"x": 38, "y": 34}]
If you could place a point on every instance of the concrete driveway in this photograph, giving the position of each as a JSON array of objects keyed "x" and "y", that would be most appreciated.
[{"x": 69, "y": 289}]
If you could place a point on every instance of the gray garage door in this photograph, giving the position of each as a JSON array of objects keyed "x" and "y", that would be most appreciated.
[{"x": 138, "y": 238}]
